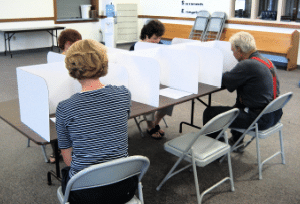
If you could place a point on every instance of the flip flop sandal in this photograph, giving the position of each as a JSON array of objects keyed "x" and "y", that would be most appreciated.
[
  {"x": 157, "y": 127},
  {"x": 151, "y": 132},
  {"x": 52, "y": 158}
]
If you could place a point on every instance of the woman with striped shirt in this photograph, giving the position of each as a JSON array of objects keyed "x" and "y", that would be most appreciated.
[{"x": 92, "y": 125}]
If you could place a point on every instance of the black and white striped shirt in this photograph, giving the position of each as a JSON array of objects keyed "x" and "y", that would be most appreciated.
[{"x": 94, "y": 124}]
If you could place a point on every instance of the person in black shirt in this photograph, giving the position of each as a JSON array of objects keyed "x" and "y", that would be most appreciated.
[{"x": 255, "y": 80}]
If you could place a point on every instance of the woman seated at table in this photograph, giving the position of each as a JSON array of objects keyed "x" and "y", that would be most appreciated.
[
  {"x": 152, "y": 32},
  {"x": 66, "y": 38},
  {"x": 92, "y": 125}
]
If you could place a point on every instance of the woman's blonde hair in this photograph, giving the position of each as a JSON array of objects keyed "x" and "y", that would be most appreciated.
[
  {"x": 243, "y": 40},
  {"x": 87, "y": 59}
]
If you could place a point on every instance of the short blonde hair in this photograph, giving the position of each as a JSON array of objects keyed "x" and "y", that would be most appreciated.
[
  {"x": 243, "y": 40},
  {"x": 87, "y": 59}
]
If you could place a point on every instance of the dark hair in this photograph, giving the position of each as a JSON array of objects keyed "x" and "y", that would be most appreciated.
[
  {"x": 152, "y": 27},
  {"x": 70, "y": 35}
]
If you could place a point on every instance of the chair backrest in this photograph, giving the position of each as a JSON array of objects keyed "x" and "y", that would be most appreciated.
[
  {"x": 219, "y": 123},
  {"x": 108, "y": 173},
  {"x": 274, "y": 105},
  {"x": 216, "y": 24},
  {"x": 200, "y": 24}
]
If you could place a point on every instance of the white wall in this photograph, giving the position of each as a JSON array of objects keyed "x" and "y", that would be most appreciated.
[
  {"x": 18, "y": 9},
  {"x": 38, "y": 9},
  {"x": 173, "y": 7},
  {"x": 26, "y": 9},
  {"x": 32, "y": 40}
]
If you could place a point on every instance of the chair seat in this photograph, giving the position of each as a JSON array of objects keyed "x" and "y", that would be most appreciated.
[
  {"x": 205, "y": 149},
  {"x": 60, "y": 197},
  {"x": 262, "y": 133}
]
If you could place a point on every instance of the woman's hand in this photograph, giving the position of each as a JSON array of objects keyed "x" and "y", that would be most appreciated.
[{"x": 67, "y": 155}]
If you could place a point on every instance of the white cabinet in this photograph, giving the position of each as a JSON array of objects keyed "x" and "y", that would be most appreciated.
[{"x": 127, "y": 23}]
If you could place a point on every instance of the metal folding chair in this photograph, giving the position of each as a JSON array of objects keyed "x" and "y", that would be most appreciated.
[
  {"x": 215, "y": 26},
  {"x": 200, "y": 150},
  {"x": 257, "y": 134},
  {"x": 108, "y": 173},
  {"x": 200, "y": 25}
]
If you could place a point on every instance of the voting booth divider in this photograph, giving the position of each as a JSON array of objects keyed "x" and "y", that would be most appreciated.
[
  {"x": 55, "y": 57},
  {"x": 40, "y": 89},
  {"x": 179, "y": 66}
]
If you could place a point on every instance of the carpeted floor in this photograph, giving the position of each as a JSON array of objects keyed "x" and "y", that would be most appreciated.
[{"x": 23, "y": 170}]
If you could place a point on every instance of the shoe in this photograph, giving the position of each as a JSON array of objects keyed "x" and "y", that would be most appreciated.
[
  {"x": 52, "y": 158},
  {"x": 154, "y": 132},
  {"x": 157, "y": 127},
  {"x": 240, "y": 149}
]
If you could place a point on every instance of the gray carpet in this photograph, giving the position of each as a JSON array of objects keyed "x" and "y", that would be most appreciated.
[{"x": 23, "y": 170}]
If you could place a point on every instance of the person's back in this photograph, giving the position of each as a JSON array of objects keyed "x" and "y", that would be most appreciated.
[
  {"x": 96, "y": 122},
  {"x": 92, "y": 125}
]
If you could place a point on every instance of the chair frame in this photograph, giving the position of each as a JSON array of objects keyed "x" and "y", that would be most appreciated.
[
  {"x": 203, "y": 15},
  {"x": 253, "y": 131},
  {"x": 122, "y": 169},
  {"x": 207, "y": 129},
  {"x": 209, "y": 31}
]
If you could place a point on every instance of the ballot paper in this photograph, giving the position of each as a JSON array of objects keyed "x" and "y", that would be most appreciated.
[{"x": 173, "y": 93}]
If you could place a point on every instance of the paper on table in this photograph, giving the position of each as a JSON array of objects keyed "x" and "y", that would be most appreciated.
[
  {"x": 172, "y": 93},
  {"x": 53, "y": 119}
]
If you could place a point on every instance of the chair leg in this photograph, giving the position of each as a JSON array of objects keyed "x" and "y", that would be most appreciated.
[
  {"x": 138, "y": 125},
  {"x": 199, "y": 197},
  {"x": 281, "y": 147},
  {"x": 140, "y": 190},
  {"x": 170, "y": 174},
  {"x": 44, "y": 153},
  {"x": 258, "y": 156},
  {"x": 230, "y": 171}
]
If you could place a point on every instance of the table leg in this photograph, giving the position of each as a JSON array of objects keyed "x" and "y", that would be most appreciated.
[
  {"x": 138, "y": 125},
  {"x": 192, "y": 113},
  {"x": 9, "y": 46},
  {"x": 5, "y": 43},
  {"x": 52, "y": 40},
  {"x": 57, "y": 173}
]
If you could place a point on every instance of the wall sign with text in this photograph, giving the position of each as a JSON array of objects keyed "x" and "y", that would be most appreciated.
[{"x": 191, "y": 7}]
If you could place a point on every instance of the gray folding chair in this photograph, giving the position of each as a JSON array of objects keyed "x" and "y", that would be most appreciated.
[
  {"x": 253, "y": 131},
  {"x": 200, "y": 25},
  {"x": 200, "y": 150},
  {"x": 108, "y": 173},
  {"x": 215, "y": 26}
]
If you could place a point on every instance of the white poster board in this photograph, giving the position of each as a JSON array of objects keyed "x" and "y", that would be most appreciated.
[
  {"x": 117, "y": 75},
  {"x": 143, "y": 77},
  {"x": 40, "y": 89},
  {"x": 211, "y": 64},
  {"x": 55, "y": 57},
  {"x": 178, "y": 68},
  {"x": 183, "y": 40},
  {"x": 225, "y": 47}
]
